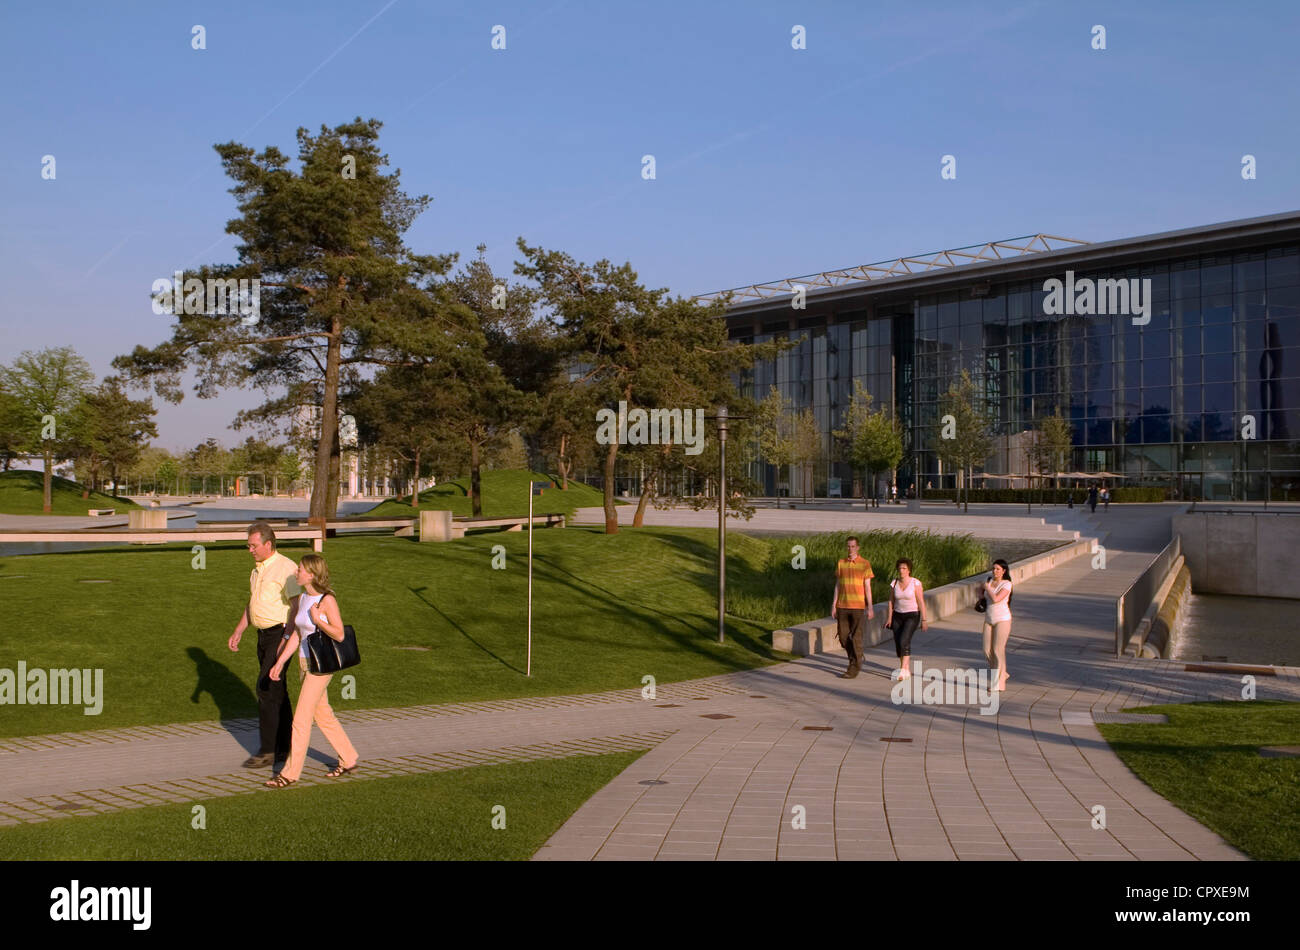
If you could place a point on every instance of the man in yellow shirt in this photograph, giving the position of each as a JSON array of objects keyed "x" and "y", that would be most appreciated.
[
  {"x": 851, "y": 601},
  {"x": 273, "y": 584}
]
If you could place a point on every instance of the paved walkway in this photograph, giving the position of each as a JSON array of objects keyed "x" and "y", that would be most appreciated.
[{"x": 736, "y": 759}]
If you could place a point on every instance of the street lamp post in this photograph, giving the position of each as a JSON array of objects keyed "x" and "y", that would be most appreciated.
[{"x": 722, "y": 523}]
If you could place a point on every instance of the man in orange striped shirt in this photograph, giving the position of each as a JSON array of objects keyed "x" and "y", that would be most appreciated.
[{"x": 851, "y": 601}]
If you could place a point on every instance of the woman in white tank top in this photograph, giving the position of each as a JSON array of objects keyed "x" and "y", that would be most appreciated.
[
  {"x": 906, "y": 610},
  {"x": 997, "y": 621},
  {"x": 316, "y": 608}
]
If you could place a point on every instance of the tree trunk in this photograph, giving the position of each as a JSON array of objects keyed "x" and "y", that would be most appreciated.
[
  {"x": 415, "y": 487},
  {"x": 646, "y": 492},
  {"x": 475, "y": 484},
  {"x": 47, "y": 504},
  {"x": 323, "y": 504},
  {"x": 611, "y": 513},
  {"x": 564, "y": 463}
]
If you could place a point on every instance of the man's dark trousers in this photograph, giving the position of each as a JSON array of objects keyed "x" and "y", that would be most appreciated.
[
  {"x": 273, "y": 710},
  {"x": 850, "y": 634}
]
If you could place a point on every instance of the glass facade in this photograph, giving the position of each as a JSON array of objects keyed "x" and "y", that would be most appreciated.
[{"x": 1169, "y": 403}]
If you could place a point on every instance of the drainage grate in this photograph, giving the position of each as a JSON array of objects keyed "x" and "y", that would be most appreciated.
[
  {"x": 817, "y": 729},
  {"x": 758, "y": 697},
  {"x": 669, "y": 706},
  {"x": 892, "y": 739},
  {"x": 652, "y": 781},
  {"x": 716, "y": 716}
]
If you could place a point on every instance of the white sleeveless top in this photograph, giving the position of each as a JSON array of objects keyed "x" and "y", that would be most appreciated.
[
  {"x": 302, "y": 621},
  {"x": 905, "y": 600},
  {"x": 998, "y": 613}
]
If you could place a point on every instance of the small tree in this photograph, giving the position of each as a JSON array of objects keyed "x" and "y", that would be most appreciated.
[
  {"x": 807, "y": 445},
  {"x": 169, "y": 473},
  {"x": 965, "y": 429},
  {"x": 777, "y": 435},
  {"x": 114, "y": 428},
  {"x": 872, "y": 440},
  {"x": 12, "y": 434},
  {"x": 289, "y": 467},
  {"x": 47, "y": 388},
  {"x": 1053, "y": 440}
]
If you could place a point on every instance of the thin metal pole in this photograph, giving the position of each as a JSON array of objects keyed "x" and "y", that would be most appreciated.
[
  {"x": 722, "y": 523},
  {"x": 529, "y": 668}
]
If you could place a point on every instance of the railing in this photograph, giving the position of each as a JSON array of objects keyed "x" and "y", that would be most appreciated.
[{"x": 1133, "y": 603}]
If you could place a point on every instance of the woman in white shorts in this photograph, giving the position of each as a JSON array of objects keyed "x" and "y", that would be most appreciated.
[{"x": 997, "y": 621}]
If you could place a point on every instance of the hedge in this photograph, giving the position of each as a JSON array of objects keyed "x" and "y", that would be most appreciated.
[{"x": 1049, "y": 496}]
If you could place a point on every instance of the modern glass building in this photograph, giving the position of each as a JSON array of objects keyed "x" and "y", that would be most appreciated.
[{"x": 1202, "y": 398}]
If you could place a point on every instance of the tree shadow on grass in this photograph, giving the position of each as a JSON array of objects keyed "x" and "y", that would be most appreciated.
[
  {"x": 419, "y": 593},
  {"x": 651, "y": 616},
  {"x": 231, "y": 694}
]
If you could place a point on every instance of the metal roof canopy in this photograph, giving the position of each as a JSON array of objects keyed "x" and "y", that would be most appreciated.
[{"x": 900, "y": 266}]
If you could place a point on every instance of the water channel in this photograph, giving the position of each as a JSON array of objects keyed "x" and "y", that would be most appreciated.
[{"x": 1230, "y": 629}]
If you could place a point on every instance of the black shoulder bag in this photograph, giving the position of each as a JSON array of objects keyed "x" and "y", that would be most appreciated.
[{"x": 327, "y": 655}]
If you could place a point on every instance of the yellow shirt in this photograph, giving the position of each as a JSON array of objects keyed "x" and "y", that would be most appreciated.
[
  {"x": 852, "y": 575},
  {"x": 273, "y": 583}
]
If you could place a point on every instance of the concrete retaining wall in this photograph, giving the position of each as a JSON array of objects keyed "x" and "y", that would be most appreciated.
[
  {"x": 1241, "y": 552},
  {"x": 818, "y": 636}
]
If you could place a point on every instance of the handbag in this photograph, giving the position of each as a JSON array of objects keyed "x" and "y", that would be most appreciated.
[
  {"x": 327, "y": 655},
  {"x": 981, "y": 605}
]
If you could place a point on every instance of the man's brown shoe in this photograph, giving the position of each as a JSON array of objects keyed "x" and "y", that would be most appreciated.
[
  {"x": 848, "y": 674},
  {"x": 259, "y": 761}
]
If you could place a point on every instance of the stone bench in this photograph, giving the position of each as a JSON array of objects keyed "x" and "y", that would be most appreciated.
[
  {"x": 151, "y": 536},
  {"x": 441, "y": 526}
]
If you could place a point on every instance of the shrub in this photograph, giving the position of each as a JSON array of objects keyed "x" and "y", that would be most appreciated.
[{"x": 1057, "y": 496}]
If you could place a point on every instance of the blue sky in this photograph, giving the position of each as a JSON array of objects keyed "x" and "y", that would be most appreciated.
[{"x": 771, "y": 162}]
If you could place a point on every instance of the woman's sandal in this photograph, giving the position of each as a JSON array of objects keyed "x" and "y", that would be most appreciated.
[
  {"x": 280, "y": 782},
  {"x": 340, "y": 770}
]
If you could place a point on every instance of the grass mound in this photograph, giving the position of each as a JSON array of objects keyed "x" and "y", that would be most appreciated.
[
  {"x": 23, "y": 493},
  {"x": 785, "y": 594},
  {"x": 504, "y": 494},
  {"x": 436, "y": 623}
]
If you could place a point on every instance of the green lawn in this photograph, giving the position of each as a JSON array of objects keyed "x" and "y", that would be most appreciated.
[
  {"x": 23, "y": 493},
  {"x": 441, "y": 816},
  {"x": 1206, "y": 761},
  {"x": 504, "y": 495},
  {"x": 435, "y": 622}
]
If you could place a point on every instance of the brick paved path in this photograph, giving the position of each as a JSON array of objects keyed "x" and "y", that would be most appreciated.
[{"x": 732, "y": 756}]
